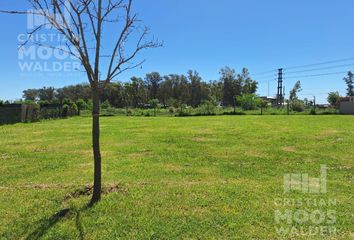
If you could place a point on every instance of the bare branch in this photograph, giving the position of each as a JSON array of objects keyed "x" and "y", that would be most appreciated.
[
  {"x": 139, "y": 47},
  {"x": 79, "y": 21}
]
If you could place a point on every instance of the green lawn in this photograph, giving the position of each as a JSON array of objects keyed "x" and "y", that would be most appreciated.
[{"x": 179, "y": 178}]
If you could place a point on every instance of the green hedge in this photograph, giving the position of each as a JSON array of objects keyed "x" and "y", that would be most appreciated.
[
  {"x": 10, "y": 114},
  {"x": 15, "y": 113}
]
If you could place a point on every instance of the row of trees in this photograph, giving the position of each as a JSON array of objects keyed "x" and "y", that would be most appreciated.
[
  {"x": 169, "y": 90},
  {"x": 231, "y": 89},
  {"x": 334, "y": 97}
]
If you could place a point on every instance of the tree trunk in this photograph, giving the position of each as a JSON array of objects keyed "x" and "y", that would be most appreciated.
[{"x": 96, "y": 146}]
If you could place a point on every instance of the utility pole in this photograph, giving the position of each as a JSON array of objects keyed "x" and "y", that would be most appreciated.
[
  {"x": 314, "y": 104},
  {"x": 280, "y": 87}
]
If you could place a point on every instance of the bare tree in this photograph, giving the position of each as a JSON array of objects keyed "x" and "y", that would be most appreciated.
[{"x": 81, "y": 24}]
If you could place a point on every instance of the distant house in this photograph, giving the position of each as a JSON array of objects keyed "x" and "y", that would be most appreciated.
[
  {"x": 346, "y": 105},
  {"x": 322, "y": 106},
  {"x": 270, "y": 100}
]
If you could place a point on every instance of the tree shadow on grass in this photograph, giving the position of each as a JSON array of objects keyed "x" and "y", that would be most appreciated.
[
  {"x": 79, "y": 226},
  {"x": 46, "y": 224}
]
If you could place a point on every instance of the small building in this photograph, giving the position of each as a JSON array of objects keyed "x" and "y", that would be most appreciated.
[
  {"x": 322, "y": 106},
  {"x": 346, "y": 105},
  {"x": 272, "y": 101}
]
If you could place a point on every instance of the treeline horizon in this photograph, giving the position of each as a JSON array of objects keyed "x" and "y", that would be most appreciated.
[{"x": 169, "y": 90}]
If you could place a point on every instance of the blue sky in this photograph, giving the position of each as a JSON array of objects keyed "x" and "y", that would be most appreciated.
[{"x": 206, "y": 35}]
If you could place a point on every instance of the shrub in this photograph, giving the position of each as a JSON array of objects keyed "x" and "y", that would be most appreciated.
[
  {"x": 330, "y": 111},
  {"x": 109, "y": 112},
  {"x": 333, "y": 99},
  {"x": 74, "y": 108},
  {"x": 55, "y": 101},
  {"x": 129, "y": 112},
  {"x": 183, "y": 111},
  {"x": 89, "y": 104},
  {"x": 49, "y": 113},
  {"x": 313, "y": 112},
  {"x": 297, "y": 106},
  {"x": 206, "y": 108},
  {"x": 33, "y": 113},
  {"x": 30, "y": 102},
  {"x": 234, "y": 113},
  {"x": 81, "y": 104},
  {"x": 43, "y": 102},
  {"x": 105, "y": 105},
  {"x": 155, "y": 104},
  {"x": 173, "y": 102},
  {"x": 67, "y": 101},
  {"x": 171, "y": 110},
  {"x": 248, "y": 101},
  {"x": 65, "y": 111}
]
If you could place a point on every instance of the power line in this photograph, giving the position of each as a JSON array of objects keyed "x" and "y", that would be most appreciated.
[
  {"x": 321, "y": 63},
  {"x": 317, "y": 75},
  {"x": 266, "y": 77},
  {"x": 322, "y": 68},
  {"x": 309, "y": 65},
  {"x": 303, "y": 69},
  {"x": 263, "y": 73},
  {"x": 312, "y": 94},
  {"x": 269, "y": 80}
]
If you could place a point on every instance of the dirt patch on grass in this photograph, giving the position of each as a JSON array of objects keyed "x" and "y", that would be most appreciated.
[
  {"x": 342, "y": 167},
  {"x": 289, "y": 149},
  {"x": 199, "y": 139},
  {"x": 173, "y": 167},
  {"x": 4, "y": 156},
  {"x": 37, "y": 186},
  {"x": 85, "y": 152},
  {"x": 188, "y": 210},
  {"x": 84, "y": 165},
  {"x": 329, "y": 132},
  {"x": 88, "y": 190},
  {"x": 254, "y": 153},
  {"x": 139, "y": 155},
  {"x": 205, "y": 131},
  {"x": 42, "y": 186}
]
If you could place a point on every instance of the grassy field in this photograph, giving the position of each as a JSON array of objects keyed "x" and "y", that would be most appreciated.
[{"x": 178, "y": 178}]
